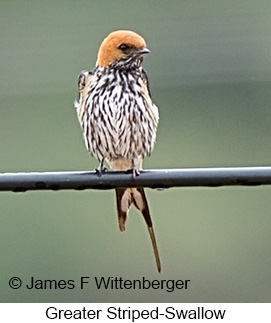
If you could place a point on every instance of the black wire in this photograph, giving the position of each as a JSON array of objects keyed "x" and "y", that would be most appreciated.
[{"x": 160, "y": 178}]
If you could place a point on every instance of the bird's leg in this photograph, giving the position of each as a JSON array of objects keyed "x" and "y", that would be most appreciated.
[
  {"x": 101, "y": 168},
  {"x": 135, "y": 171}
]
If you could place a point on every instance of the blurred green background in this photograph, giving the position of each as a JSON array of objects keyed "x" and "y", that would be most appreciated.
[{"x": 210, "y": 76}]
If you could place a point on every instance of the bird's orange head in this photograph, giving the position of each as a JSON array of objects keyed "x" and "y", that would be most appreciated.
[{"x": 122, "y": 46}]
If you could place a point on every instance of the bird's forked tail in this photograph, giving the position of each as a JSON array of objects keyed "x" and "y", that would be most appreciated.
[{"x": 126, "y": 197}]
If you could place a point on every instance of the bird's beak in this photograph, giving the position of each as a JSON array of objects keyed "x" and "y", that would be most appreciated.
[{"x": 142, "y": 51}]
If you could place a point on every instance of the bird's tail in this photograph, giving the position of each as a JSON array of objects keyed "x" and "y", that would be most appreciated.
[{"x": 126, "y": 197}]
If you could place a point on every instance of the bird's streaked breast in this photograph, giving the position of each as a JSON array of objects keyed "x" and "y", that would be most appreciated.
[{"x": 117, "y": 115}]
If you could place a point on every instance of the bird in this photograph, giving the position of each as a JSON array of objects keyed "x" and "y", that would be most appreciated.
[{"x": 118, "y": 117}]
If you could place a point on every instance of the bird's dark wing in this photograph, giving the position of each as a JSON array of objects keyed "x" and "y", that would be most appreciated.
[
  {"x": 146, "y": 81},
  {"x": 83, "y": 79}
]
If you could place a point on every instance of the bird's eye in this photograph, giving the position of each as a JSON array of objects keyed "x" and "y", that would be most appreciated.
[{"x": 124, "y": 47}]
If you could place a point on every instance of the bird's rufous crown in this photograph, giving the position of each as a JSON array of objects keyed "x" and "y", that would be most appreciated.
[{"x": 109, "y": 50}]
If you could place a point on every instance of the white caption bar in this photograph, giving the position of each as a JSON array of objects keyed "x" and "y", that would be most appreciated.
[{"x": 134, "y": 312}]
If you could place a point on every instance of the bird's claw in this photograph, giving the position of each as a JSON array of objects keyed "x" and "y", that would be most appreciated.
[
  {"x": 101, "y": 169},
  {"x": 135, "y": 172}
]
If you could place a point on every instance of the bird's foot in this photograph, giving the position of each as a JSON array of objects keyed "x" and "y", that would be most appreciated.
[
  {"x": 101, "y": 168},
  {"x": 135, "y": 172}
]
